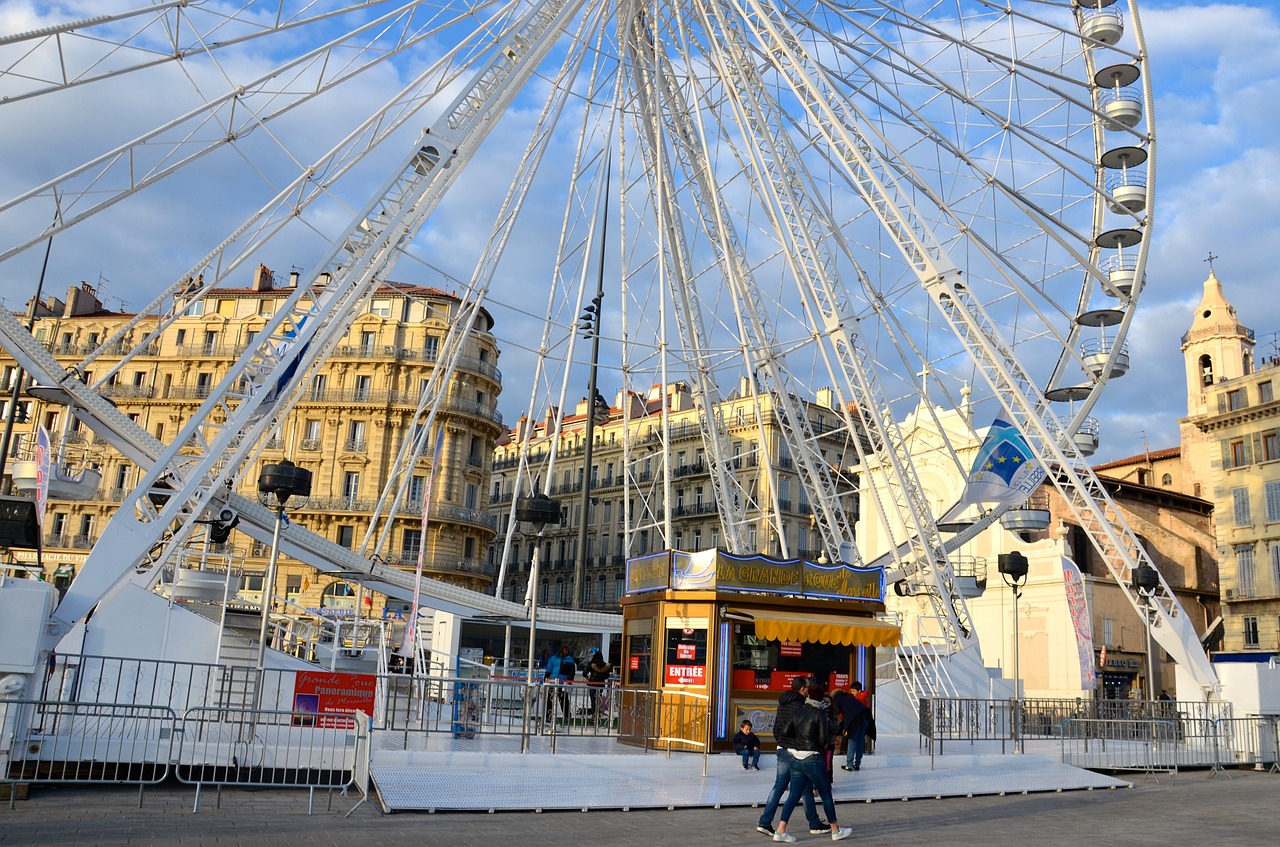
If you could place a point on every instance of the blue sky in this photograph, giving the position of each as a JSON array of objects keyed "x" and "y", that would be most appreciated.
[{"x": 1216, "y": 75}]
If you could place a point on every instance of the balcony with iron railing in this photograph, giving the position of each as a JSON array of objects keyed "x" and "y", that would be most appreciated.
[
  {"x": 408, "y": 558},
  {"x": 66, "y": 541}
]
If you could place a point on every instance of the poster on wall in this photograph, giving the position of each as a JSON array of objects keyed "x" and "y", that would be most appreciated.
[{"x": 328, "y": 700}]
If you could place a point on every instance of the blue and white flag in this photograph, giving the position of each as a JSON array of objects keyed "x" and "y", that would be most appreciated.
[{"x": 1005, "y": 470}]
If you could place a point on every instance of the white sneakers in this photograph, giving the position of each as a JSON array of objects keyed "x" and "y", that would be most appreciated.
[{"x": 838, "y": 833}]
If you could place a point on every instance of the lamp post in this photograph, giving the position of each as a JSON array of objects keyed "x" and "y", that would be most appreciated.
[
  {"x": 283, "y": 480},
  {"x": 1013, "y": 570},
  {"x": 589, "y": 324},
  {"x": 1146, "y": 580},
  {"x": 538, "y": 510}
]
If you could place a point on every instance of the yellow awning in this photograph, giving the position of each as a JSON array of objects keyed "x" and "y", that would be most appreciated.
[{"x": 823, "y": 629}]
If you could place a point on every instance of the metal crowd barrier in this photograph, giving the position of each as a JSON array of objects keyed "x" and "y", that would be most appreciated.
[
  {"x": 268, "y": 749},
  {"x": 59, "y": 742},
  {"x": 1117, "y": 744}
]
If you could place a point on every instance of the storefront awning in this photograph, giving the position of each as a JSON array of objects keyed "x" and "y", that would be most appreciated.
[{"x": 822, "y": 629}]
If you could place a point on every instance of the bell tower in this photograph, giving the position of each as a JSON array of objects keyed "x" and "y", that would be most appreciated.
[{"x": 1218, "y": 347}]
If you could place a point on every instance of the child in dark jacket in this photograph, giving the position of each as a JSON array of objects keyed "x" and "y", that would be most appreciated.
[{"x": 747, "y": 745}]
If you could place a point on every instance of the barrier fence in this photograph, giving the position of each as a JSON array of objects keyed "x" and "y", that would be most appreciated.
[
  {"x": 116, "y": 743},
  {"x": 1149, "y": 736},
  {"x": 250, "y": 748}
]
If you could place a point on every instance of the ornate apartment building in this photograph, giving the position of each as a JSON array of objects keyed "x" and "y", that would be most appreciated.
[
  {"x": 356, "y": 412},
  {"x": 1231, "y": 445},
  {"x": 615, "y": 528}
]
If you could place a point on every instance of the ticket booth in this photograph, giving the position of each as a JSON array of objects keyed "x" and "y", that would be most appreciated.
[{"x": 733, "y": 631}]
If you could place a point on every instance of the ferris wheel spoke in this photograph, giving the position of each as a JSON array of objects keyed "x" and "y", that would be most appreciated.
[
  {"x": 233, "y": 117},
  {"x": 92, "y": 50}
]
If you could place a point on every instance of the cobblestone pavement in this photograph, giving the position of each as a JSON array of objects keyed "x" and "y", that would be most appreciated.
[{"x": 1191, "y": 809}]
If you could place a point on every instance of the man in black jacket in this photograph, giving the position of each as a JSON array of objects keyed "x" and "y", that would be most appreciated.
[
  {"x": 809, "y": 729},
  {"x": 787, "y": 705}
]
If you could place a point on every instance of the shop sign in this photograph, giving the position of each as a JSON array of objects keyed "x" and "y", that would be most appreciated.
[
  {"x": 319, "y": 698},
  {"x": 759, "y": 573},
  {"x": 789, "y": 648},
  {"x": 686, "y": 675},
  {"x": 648, "y": 573},
  {"x": 843, "y": 581}
]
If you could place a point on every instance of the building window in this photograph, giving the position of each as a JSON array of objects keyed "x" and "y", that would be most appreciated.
[
  {"x": 346, "y": 536},
  {"x": 351, "y": 484},
  {"x": 1265, "y": 394},
  {"x": 1250, "y": 631},
  {"x": 363, "y": 384},
  {"x": 417, "y": 486},
  {"x": 410, "y": 544},
  {"x": 1274, "y": 548},
  {"x": 355, "y": 436},
  {"x": 1240, "y": 507},
  {"x": 1272, "y": 494},
  {"x": 1239, "y": 455},
  {"x": 1246, "y": 578},
  {"x": 432, "y": 349},
  {"x": 317, "y": 388},
  {"x": 1270, "y": 446},
  {"x": 1235, "y": 399},
  {"x": 1167, "y": 479},
  {"x": 311, "y": 435},
  {"x": 381, "y": 308}
]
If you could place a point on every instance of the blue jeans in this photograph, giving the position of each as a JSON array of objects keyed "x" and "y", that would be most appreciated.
[
  {"x": 856, "y": 745},
  {"x": 781, "y": 780},
  {"x": 806, "y": 772},
  {"x": 750, "y": 756}
]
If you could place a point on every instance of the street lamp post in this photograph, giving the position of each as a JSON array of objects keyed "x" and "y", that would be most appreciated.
[
  {"x": 538, "y": 510},
  {"x": 1146, "y": 580},
  {"x": 1013, "y": 570},
  {"x": 589, "y": 324},
  {"x": 284, "y": 480}
]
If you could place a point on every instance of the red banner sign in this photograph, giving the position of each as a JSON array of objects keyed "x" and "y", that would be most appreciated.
[{"x": 320, "y": 697}]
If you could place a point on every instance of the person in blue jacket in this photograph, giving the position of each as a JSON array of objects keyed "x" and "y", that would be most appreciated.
[{"x": 560, "y": 671}]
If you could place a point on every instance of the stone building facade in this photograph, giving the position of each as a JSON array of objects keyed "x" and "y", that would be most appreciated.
[{"x": 355, "y": 414}]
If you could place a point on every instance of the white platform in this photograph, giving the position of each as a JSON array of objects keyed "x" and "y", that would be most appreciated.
[{"x": 586, "y": 774}]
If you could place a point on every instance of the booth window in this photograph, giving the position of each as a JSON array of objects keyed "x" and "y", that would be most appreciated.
[
  {"x": 639, "y": 659},
  {"x": 761, "y": 664},
  {"x": 686, "y": 656}
]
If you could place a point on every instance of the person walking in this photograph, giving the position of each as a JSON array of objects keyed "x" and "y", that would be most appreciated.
[
  {"x": 855, "y": 717},
  {"x": 747, "y": 745},
  {"x": 809, "y": 728},
  {"x": 787, "y": 704}
]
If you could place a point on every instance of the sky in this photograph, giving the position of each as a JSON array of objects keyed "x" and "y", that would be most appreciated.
[{"x": 1216, "y": 76}]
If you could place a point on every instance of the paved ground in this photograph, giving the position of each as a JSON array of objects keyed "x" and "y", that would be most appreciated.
[{"x": 1192, "y": 809}]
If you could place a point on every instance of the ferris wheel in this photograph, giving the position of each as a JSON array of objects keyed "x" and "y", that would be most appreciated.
[{"x": 910, "y": 203}]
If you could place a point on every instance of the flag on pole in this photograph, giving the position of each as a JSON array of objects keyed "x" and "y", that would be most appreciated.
[
  {"x": 411, "y": 628},
  {"x": 1005, "y": 470},
  {"x": 43, "y": 469},
  {"x": 1081, "y": 623}
]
